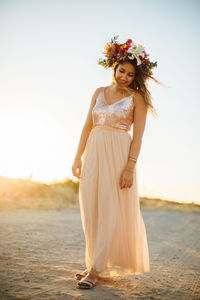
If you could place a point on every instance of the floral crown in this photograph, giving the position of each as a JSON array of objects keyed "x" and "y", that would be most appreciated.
[{"x": 115, "y": 52}]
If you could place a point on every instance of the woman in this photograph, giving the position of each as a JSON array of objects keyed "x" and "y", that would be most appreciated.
[{"x": 113, "y": 226}]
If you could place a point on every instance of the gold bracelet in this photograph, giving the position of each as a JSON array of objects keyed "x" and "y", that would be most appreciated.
[{"x": 132, "y": 158}]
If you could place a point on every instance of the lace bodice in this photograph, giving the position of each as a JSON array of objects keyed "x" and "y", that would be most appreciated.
[{"x": 118, "y": 114}]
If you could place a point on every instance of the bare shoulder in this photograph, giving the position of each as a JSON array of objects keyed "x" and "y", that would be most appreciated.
[
  {"x": 139, "y": 101},
  {"x": 98, "y": 90},
  {"x": 96, "y": 93},
  {"x": 89, "y": 121}
]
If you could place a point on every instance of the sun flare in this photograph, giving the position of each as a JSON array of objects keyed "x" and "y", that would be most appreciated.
[{"x": 26, "y": 148}]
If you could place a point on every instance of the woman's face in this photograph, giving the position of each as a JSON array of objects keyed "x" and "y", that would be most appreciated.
[{"x": 125, "y": 74}]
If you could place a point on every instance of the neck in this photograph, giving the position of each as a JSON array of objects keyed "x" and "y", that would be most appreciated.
[
  {"x": 118, "y": 88},
  {"x": 121, "y": 89}
]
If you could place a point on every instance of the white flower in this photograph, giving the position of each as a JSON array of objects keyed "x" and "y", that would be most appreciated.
[
  {"x": 135, "y": 51},
  {"x": 134, "y": 45}
]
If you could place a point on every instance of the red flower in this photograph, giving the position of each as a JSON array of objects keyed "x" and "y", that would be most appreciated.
[
  {"x": 126, "y": 50},
  {"x": 141, "y": 58},
  {"x": 129, "y": 41},
  {"x": 145, "y": 53}
]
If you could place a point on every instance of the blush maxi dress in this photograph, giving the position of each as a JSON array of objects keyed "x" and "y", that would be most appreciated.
[{"x": 113, "y": 226}]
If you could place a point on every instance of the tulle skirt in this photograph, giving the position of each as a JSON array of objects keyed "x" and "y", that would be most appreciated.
[{"x": 115, "y": 234}]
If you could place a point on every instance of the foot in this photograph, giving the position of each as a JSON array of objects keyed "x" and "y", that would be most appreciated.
[
  {"x": 81, "y": 275},
  {"x": 88, "y": 281}
]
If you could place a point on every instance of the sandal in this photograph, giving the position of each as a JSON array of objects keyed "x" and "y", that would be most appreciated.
[
  {"x": 85, "y": 283},
  {"x": 79, "y": 276}
]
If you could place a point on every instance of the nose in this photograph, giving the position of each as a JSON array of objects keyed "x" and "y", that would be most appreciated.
[{"x": 124, "y": 77}]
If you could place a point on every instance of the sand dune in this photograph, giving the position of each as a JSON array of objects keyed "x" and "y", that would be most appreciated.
[
  {"x": 41, "y": 250},
  {"x": 27, "y": 194}
]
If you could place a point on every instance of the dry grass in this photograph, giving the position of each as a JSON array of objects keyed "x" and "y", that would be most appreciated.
[
  {"x": 27, "y": 194},
  {"x": 161, "y": 204}
]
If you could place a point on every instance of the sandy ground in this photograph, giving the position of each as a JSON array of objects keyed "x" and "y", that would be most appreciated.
[{"x": 40, "y": 252}]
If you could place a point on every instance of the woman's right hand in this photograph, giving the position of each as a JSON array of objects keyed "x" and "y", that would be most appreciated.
[{"x": 77, "y": 165}]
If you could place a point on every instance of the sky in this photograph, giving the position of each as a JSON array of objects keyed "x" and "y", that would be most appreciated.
[{"x": 49, "y": 72}]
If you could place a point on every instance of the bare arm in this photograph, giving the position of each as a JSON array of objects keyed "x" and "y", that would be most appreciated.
[
  {"x": 140, "y": 113},
  {"x": 87, "y": 127}
]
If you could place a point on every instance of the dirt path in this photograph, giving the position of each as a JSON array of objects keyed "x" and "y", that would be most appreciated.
[{"x": 40, "y": 252}]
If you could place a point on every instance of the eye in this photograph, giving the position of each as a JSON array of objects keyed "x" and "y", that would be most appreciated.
[{"x": 121, "y": 71}]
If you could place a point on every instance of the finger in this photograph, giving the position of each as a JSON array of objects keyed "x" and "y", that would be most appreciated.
[
  {"x": 122, "y": 178},
  {"x": 79, "y": 171},
  {"x": 74, "y": 172},
  {"x": 128, "y": 185},
  {"x": 122, "y": 185},
  {"x": 79, "y": 174},
  {"x": 131, "y": 185}
]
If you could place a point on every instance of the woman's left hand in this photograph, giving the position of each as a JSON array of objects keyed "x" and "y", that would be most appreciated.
[{"x": 126, "y": 178}]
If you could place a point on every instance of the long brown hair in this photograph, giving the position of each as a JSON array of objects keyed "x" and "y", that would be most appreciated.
[{"x": 139, "y": 83}]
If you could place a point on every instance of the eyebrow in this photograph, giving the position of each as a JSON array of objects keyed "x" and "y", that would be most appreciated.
[{"x": 128, "y": 72}]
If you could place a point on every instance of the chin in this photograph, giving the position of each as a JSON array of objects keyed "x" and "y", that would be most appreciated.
[{"x": 122, "y": 83}]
